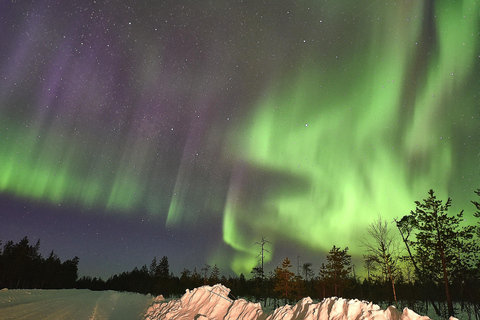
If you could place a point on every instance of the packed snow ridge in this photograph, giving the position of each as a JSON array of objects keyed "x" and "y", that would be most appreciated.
[{"x": 213, "y": 303}]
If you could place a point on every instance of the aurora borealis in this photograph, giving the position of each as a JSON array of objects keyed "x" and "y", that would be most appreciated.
[{"x": 212, "y": 124}]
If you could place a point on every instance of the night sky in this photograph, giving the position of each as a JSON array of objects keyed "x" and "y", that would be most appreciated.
[{"x": 134, "y": 129}]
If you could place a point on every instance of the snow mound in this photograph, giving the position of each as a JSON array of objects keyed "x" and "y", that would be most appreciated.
[
  {"x": 339, "y": 308},
  {"x": 204, "y": 303},
  {"x": 213, "y": 303}
]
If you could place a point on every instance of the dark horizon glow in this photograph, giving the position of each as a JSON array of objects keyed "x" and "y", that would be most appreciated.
[{"x": 191, "y": 130}]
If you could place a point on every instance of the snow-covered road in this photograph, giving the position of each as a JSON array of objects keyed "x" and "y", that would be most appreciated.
[{"x": 72, "y": 305}]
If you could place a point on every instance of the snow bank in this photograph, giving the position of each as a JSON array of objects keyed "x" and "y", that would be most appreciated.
[
  {"x": 204, "y": 303},
  {"x": 213, "y": 303},
  {"x": 338, "y": 308}
]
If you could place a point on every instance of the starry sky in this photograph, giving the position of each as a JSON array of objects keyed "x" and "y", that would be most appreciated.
[{"x": 134, "y": 129}]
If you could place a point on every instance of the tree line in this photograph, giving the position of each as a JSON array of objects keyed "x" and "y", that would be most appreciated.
[
  {"x": 428, "y": 258},
  {"x": 22, "y": 266},
  {"x": 431, "y": 261}
]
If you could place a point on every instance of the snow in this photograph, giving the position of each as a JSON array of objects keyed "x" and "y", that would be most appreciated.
[
  {"x": 72, "y": 304},
  {"x": 213, "y": 303},
  {"x": 338, "y": 308},
  {"x": 207, "y": 302}
]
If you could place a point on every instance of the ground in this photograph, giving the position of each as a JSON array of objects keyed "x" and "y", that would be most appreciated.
[{"x": 72, "y": 304}]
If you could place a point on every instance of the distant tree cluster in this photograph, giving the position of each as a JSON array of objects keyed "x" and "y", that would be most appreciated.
[
  {"x": 429, "y": 260},
  {"x": 155, "y": 279},
  {"x": 22, "y": 266}
]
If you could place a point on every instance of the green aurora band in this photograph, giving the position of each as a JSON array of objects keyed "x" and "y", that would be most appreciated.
[
  {"x": 361, "y": 150},
  {"x": 326, "y": 150}
]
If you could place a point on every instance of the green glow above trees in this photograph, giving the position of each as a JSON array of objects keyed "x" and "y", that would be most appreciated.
[
  {"x": 356, "y": 149},
  {"x": 339, "y": 131}
]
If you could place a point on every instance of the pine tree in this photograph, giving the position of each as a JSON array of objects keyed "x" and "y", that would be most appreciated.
[
  {"x": 196, "y": 278},
  {"x": 337, "y": 269},
  {"x": 284, "y": 280},
  {"x": 185, "y": 276},
  {"x": 307, "y": 270},
  {"x": 162, "y": 270},
  {"x": 153, "y": 267},
  {"x": 205, "y": 269},
  {"x": 443, "y": 249},
  {"x": 259, "y": 271},
  {"x": 323, "y": 280},
  {"x": 477, "y": 213},
  {"x": 261, "y": 255},
  {"x": 162, "y": 277},
  {"x": 214, "y": 275}
]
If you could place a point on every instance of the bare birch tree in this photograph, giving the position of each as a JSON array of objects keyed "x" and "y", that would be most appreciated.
[{"x": 382, "y": 248}]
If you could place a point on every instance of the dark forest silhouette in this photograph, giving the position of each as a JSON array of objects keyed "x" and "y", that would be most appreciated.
[
  {"x": 438, "y": 267},
  {"x": 22, "y": 266}
]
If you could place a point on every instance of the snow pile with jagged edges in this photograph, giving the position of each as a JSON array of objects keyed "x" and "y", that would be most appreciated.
[
  {"x": 213, "y": 303},
  {"x": 204, "y": 303}
]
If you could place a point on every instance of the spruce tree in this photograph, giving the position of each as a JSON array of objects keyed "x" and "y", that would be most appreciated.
[{"x": 443, "y": 248}]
